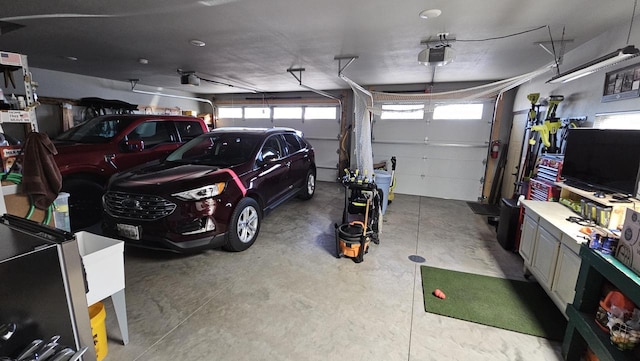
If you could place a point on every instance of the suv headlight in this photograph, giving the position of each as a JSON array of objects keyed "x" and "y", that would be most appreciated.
[{"x": 201, "y": 193}]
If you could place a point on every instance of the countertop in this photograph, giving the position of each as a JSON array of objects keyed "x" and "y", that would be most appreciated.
[{"x": 557, "y": 214}]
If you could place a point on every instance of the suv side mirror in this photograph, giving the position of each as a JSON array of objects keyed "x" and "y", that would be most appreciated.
[
  {"x": 269, "y": 158},
  {"x": 134, "y": 145}
]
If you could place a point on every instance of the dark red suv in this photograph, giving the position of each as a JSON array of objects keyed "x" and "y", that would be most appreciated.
[
  {"x": 93, "y": 151},
  {"x": 211, "y": 192}
]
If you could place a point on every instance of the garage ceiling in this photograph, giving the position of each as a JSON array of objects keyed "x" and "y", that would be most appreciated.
[{"x": 251, "y": 43}]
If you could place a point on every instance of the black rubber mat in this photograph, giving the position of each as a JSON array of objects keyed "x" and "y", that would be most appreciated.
[{"x": 484, "y": 209}]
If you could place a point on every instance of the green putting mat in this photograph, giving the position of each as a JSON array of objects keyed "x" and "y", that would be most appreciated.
[{"x": 512, "y": 305}]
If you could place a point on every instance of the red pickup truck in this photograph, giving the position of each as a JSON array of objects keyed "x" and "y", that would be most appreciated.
[{"x": 90, "y": 153}]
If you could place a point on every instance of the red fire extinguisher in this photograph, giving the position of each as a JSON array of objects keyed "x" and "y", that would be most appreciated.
[{"x": 495, "y": 148}]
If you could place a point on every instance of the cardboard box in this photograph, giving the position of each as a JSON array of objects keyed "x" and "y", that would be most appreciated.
[
  {"x": 208, "y": 119},
  {"x": 8, "y": 156},
  {"x": 628, "y": 251},
  {"x": 18, "y": 205}
]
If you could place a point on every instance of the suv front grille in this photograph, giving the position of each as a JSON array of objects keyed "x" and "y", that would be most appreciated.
[{"x": 137, "y": 206}]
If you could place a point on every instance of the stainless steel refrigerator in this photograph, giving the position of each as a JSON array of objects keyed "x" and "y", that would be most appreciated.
[{"x": 42, "y": 287}]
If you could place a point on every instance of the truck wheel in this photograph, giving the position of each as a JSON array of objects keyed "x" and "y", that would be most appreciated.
[{"x": 85, "y": 202}]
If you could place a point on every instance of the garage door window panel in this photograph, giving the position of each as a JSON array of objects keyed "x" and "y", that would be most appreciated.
[
  {"x": 230, "y": 112},
  {"x": 257, "y": 113},
  {"x": 287, "y": 113},
  {"x": 458, "y": 111},
  {"x": 320, "y": 113},
  {"x": 402, "y": 111}
]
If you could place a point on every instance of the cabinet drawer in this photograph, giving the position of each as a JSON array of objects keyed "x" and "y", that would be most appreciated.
[
  {"x": 555, "y": 232},
  {"x": 571, "y": 243},
  {"x": 532, "y": 215}
]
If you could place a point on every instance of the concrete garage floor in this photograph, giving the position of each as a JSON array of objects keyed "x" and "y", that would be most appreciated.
[{"x": 289, "y": 298}]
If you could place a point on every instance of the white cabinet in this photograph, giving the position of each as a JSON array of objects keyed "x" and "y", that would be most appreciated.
[
  {"x": 539, "y": 246},
  {"x": 528, "y": 238},
  {"x": 543, "y": 265},
  {"x": 566, "y": 276},
  {"x": 549, "y": 245}
]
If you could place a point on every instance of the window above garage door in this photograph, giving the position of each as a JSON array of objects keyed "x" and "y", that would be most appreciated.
[{"x": 458, "y": 111}]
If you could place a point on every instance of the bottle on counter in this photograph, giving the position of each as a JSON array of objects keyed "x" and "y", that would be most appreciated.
[
  {"x": 22, "y": 105},
  {"x": 13, "y": 101}
]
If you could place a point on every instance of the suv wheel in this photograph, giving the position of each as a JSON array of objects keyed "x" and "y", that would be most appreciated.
[
  {"x": 244, "y": 226},
  {"x": 310, "y": 186},
  {"x": 85, "y": 202}
]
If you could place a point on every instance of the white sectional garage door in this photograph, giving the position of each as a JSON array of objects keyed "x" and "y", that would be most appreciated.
[
  {"x": 323, "y": 135},
  {"x": 319, "y": 124},
  {"x": 443, "y": 157}
]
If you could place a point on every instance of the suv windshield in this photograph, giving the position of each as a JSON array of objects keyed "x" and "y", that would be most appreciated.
[
  {"x": 216, "y": 150},
  {"x": 96, "y": 130}
]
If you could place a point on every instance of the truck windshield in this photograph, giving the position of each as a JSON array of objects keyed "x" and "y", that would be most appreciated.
[{"x": 97, "y": 130}]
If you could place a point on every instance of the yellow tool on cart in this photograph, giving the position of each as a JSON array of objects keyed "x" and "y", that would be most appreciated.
[{"x": 393, "y": 179}]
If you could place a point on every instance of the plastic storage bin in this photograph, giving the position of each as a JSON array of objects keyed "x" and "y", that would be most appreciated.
[
  {"x": 61, "y": 212},
  {"x": 383, "y": 181}
]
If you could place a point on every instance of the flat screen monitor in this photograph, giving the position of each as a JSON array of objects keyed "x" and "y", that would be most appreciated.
[{"x": 605, "y": 160}]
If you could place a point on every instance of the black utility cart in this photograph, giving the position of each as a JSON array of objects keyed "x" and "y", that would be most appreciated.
[{"x": 361, "y": 218}]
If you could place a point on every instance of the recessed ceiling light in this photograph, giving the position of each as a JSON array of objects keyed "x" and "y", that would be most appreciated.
[
  {"x": 72, "y": 58},
  {"x": 430, "y": 14},
  {"x": 213, "y": 2},
  {"x": 196, "y": 42}
]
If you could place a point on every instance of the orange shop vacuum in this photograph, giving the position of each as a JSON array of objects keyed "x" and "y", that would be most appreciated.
[{"x": 352, "y": 239}]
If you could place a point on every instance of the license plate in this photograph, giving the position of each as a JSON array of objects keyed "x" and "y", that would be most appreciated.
[{"x": 128, "y": 231}]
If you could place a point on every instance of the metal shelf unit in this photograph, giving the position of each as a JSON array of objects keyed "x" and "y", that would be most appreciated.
[{"x": 9, "y": 64}]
